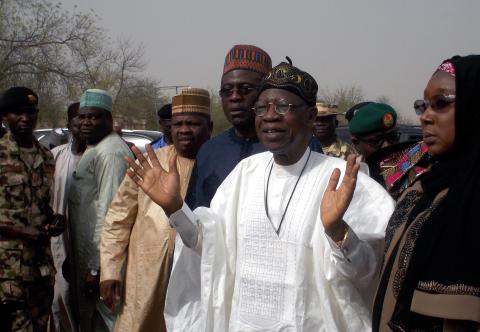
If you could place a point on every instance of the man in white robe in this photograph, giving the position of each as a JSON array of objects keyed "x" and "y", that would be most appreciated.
[
  {"x": 271, "y": 258},
  {"x": 66, "y": 158}
]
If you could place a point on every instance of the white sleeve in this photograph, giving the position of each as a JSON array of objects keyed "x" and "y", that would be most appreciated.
[
  {"x": 186, "y": 224},
  {"x": 355, "y": 259}
]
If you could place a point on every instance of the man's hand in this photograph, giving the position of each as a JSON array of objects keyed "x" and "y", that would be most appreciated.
[
  {"x": 91, "y": 283},
  {"x": 161, "y": 186},
  {"x": 110, "y": 293},
  {"x": 57, "y": 225},
  {"x": 27, "y": 233},
  {"x": 335, "y": 201}
]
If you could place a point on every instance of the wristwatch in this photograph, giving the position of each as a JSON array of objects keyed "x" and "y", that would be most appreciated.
[{"x": 93, "y": 273}]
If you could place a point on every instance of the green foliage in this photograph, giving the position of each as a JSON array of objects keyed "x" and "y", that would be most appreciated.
[{"x": 220, "y": 122}]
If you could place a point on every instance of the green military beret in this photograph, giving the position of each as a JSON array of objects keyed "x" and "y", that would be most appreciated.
[{"x": 373, "y": 117}]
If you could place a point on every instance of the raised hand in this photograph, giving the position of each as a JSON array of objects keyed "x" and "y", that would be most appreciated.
[
  {"x": 336, "y": 201},
  {"x": 161, "y": 186}
]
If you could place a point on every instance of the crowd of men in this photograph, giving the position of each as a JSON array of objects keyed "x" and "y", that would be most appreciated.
[{"x": 267, "y": 226}]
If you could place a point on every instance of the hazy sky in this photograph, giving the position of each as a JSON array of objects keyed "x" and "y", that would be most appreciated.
[{"x": 389, "y": 48}]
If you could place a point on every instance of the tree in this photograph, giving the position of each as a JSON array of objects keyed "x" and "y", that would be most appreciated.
[
  {"x": 37, "y": 39},
  {"x": 344, "y": 97},
  {"x": 220, "y": 122},
  {"x": 60, "y": 54}
]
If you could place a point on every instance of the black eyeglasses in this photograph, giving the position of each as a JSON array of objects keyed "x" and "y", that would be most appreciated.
[
  {"x": 242, "y": 90},
  {"x": 281, "y": 108},
  {"x": 377, "y": 141},
  {"x": 437, "y": 103}
]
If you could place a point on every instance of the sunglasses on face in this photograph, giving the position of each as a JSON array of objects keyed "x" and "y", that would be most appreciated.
[
  {"x": 242, "y": 90},
  {"x": 437, "y": 103},
  {"x": 378, "y": 141},
  {"x": 281, "y": 108}
]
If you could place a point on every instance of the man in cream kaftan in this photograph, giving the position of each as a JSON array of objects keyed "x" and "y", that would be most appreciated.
[
  {"x": 255, "y": 280},
  {"x": 136, "y": 231}
]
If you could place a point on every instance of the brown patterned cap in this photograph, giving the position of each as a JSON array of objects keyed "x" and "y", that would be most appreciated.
[{"x": 191, "y": 100}]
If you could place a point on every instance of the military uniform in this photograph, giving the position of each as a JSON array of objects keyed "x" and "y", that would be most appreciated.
[
  {"x": 26, "y": 267},
  {"x": 339, "y": 149}
]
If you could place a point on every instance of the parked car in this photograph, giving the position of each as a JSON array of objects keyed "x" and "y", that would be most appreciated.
[
  {"x": 407, "y": 133},
  {"x": 137, "y": 137}
]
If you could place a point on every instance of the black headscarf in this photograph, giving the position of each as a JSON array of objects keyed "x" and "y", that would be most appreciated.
[
  {"x": 446, "y": 255},
  {"x": 453, "y": 233}
]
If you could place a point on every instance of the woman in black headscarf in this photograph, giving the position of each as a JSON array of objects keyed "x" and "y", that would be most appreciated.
[{"x": 430, "y": 279}]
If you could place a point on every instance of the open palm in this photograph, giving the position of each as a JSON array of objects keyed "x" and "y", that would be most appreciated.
[
  {"x": 335, "y": 201},
  {"x": 161, "y": 186}
]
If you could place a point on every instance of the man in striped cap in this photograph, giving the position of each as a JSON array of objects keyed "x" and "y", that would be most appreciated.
[
  {"x": 244, "y": 68},
  {"x": 136, "y": 230}
]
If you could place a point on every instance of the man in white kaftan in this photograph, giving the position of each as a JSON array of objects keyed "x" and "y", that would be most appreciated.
[
  {"x": 66, "y": 158},
  {"x": 253, "y": 279},
  {"x": 267, "y": 263}
]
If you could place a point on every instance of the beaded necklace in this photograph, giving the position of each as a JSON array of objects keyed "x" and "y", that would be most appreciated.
[{"x": 277, "y": 230}]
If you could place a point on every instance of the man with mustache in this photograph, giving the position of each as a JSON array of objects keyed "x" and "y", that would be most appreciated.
[
  {"x": 95, "y": 181},
  {"x": 276, "y": 253},
  {"x": 137, "y": 232},
  {"x": 244, "y": 68}
]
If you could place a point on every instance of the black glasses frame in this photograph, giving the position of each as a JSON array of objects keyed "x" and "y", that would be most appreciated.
[{"x": 281, "y": 109}]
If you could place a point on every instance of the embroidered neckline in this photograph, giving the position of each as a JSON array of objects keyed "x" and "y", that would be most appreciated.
[{"x": 277, "y": 230}]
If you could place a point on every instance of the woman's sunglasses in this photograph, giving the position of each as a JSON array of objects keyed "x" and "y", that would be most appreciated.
[{"x": 437, "y": 103}]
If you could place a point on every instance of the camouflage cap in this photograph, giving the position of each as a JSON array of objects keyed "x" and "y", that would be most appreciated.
[{"x": 324, "y": 109}]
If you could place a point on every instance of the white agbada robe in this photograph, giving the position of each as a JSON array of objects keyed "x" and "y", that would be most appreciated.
[
  {"x": 242, "y": 276},
  {"x": 65, "y": 163}
]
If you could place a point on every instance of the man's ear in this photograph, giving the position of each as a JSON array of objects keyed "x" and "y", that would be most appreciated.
[
  {"x": 210, "y": 128},
  {"x": 311, "y": 114}
]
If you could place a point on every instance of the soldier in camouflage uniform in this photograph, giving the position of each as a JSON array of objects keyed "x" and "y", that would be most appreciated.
[
  {"x": 324, "y": 130},
  {"x": 26, "y": 173}
]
